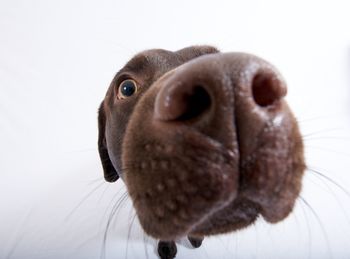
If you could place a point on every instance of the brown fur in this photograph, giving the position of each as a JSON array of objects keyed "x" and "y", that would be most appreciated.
[{"x": 206, "y": 145}]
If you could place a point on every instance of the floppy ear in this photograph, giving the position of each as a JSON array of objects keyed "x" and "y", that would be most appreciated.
[{"x": 110, "y": 173}]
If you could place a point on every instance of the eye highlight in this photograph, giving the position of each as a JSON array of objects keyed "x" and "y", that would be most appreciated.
[{"x": 127, "y": 88}]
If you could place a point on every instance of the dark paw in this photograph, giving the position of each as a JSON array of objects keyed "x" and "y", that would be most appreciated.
[
  {"x": 167, "y": 250},
  {"x": 195, "y": 241}
]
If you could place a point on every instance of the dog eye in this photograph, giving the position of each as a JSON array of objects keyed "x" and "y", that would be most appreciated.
[{"x": 127, "y": 88}]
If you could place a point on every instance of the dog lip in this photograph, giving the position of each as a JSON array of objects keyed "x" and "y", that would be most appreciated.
[
  {"x": 168, "y": 215},
  {"x": 171, "y": 221},
  {"x": 242, "y": 211}
]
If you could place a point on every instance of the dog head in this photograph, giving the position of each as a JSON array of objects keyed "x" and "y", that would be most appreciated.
[{"x": 203, "y": 140}]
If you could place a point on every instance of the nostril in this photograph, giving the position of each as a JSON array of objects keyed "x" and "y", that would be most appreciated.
[
  {"x": 181, "y": 103},
  {"x": 267, "y": 88},
  {"x": 196, "y": 103}
]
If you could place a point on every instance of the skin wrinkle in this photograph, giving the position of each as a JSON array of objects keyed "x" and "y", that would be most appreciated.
[{"x": 212, "y": 173}]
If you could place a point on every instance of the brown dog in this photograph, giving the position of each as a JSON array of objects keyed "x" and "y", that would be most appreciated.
[{"x": 204, "y": 141}]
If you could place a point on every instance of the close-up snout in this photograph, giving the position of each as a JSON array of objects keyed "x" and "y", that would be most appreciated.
[{"x": 196, "y": 143}]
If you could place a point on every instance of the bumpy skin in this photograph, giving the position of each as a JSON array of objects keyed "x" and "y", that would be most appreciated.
[{"x": 206, "y": 145}]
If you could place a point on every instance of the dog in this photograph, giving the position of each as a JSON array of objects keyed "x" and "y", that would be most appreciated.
[{"x": 204, "y": 141}]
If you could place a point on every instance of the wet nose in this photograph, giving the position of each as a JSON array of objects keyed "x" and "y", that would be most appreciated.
[{"x": 189, "y": 93}]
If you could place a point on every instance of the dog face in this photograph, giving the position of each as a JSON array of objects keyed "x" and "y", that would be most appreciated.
[{"x": 204, "y": 141}]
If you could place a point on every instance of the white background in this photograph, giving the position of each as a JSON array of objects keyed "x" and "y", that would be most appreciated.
[{"x": 57, "y": 59}]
